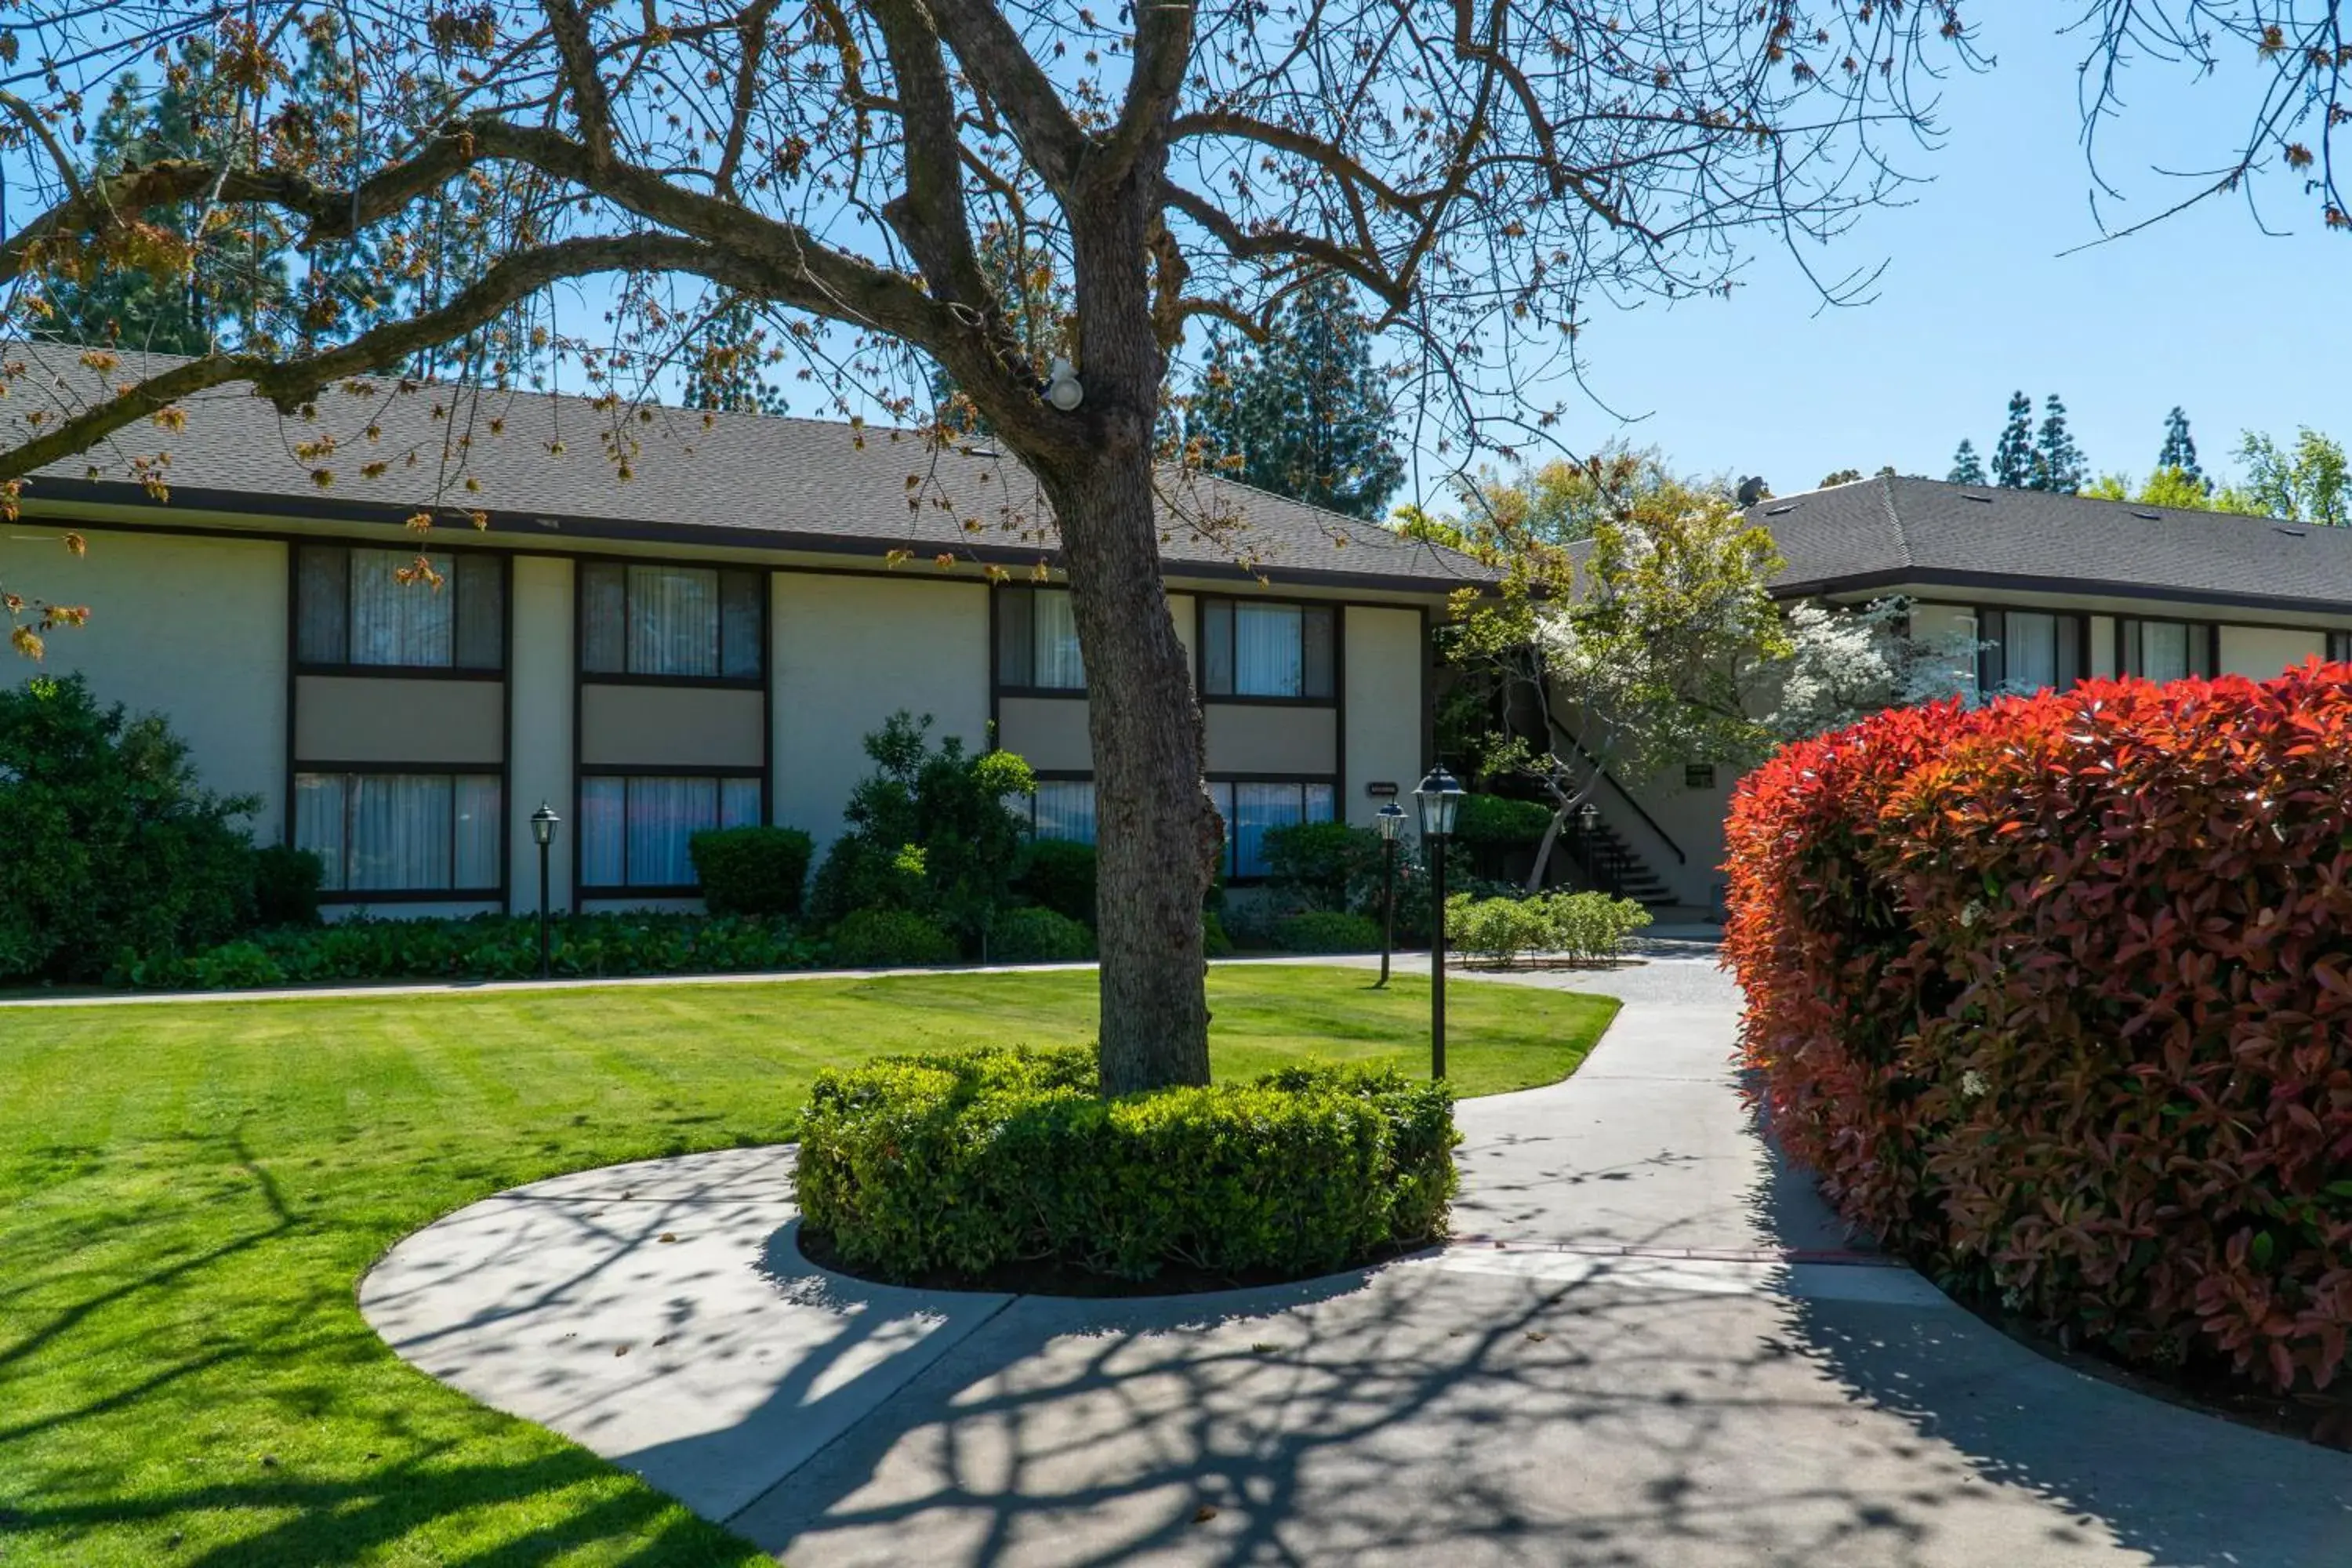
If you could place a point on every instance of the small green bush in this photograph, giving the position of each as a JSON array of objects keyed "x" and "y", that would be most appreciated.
[
  {"x": 1325, "y": 930},
  {"x": 756, "y": 871},
  {"x": 1214, "y": 943},
  {"x": 1059, "y": 873},
  {"x": 482, "y": 947},
  {"x": 914, "y": 1168},
  {"x": 1038, "y": 936},
  {"x": 889, "y": 939},
  {"x": 1498, "y": 822},
  {"x": 286, "y": 886},
  {"x": 1577, "y": 926}
]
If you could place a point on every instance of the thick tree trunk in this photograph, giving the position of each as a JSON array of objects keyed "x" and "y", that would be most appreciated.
[{"x": 1157, "y": 834}]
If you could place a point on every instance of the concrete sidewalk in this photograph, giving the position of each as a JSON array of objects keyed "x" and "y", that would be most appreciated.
[{"x": 1660, "y": 1352}]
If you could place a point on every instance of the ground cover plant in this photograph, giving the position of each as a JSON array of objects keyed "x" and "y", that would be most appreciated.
[
  {"x": 189, "y": 1191},
  {"x": 1582, "y": 928},
  {"x": 2051, "y": 993}
]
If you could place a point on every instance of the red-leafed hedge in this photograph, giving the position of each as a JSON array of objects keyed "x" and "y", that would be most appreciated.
[{"x": 2055, "y": 997}]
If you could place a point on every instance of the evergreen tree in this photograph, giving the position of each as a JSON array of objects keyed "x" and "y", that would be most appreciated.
[
  {"x": 1842, "y": 476},
  {"x": 1308, "y": 415},
  {"x": 2012, "y": 458},
  {"x": 1968, "y": 468},
  {"x": 2057, "y": 463},
  {"x": 2179, "y": 450},
  {"x": 727, "y": 374}
]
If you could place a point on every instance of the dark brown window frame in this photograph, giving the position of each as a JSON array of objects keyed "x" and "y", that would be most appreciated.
[
  {"x": 763, "y": 639},
  {"x": 297, "y": 547},
  {"x": 1335, "y": 609}
]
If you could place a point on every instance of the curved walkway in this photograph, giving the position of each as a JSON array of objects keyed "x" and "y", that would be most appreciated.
[{"x": 1650, "y": 1348}]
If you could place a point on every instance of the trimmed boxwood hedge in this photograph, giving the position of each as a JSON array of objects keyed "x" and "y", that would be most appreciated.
[{"x": 924, "y": 1167}]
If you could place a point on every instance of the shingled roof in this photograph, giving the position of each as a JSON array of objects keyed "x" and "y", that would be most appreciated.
[
  {"x": 551, "y": 466},
  {"x": 1883, "y": 531}
]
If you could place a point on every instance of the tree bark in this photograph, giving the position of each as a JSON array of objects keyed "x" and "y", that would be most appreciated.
[{"x": 1157, "y": 833}]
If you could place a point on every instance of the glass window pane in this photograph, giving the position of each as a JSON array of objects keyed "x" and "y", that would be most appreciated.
[
  {"x": 318, "y": 824},
  {"x": 2030, "y": 650},
  {"x": 739, "y": 803},
  {"x": 322, "y": 613},
  {"x": 604, "y": 831},
  {"x": 1066, "y": 809},
  {"x": 1223, "y": 795},
  {"x": 408, "y": 623},
  {"x": 1267, "y": 651},
  {"x": 476, "y": 830},
  {"x": 738, "y": 637},
  {"x": 1320, "y": 800},
  {"x": 1257, "y": 807},
  {"x": 1058, "y": 664},
  {"x": 399, "y": 832},
  {"x": 663, "y": 813},
  {"x": 2164, "y": 650},
  {"x": 673, "y": 620},
  {"x": 1315, "y": 651},
  {"x": 1015, "y": 648},
  {"x": 481, "y": 585},
  {"x": 604, "y": 613},
  {"x": 1217, "y": 647}
]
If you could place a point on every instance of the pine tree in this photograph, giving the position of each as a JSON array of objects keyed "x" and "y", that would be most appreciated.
[
  {"x": 1308, "y": 415},
  {"x": 1968, "y": 468},
  {"x": 2012, "y": 458},
  {"x": 2058, "y": 464},
  {"x": 2179, "y": 450},
  {"x": 726, "y": 375}
]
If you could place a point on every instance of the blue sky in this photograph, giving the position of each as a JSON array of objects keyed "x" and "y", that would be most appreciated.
[{"x": 2243, "y": 331}]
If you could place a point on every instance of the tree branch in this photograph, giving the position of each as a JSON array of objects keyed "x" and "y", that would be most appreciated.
[
  {"x": 1001, "y": 67},
  {"x": 568, "y": 28},
  {"x": 1163, "y": 49}
]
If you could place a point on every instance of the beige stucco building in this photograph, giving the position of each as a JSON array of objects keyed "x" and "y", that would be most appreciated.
[{"x": 656, "y": 621}]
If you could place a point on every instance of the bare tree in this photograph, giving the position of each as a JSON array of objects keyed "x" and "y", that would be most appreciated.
[
  {"x": 1484, "y": 175},
  {"x": 2300, "y": 53}
]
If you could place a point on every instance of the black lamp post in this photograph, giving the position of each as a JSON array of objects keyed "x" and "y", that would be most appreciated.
[
  {"x": 543, "y": 832},
  {"x": 1388, "y": 819},
  {"x": 1439, "y": 796},
  {"x": 1588, "y": 816}
]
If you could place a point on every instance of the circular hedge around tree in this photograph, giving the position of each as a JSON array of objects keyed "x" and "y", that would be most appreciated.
[{"x": 1004, "y": 1167}]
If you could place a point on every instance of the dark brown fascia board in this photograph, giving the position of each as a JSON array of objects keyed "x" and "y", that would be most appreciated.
[
  {"x": 555, "y": 528},
  {"x": 2088, "y": 587}
]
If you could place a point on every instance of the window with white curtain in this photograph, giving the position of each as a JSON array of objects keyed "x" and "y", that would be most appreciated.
[
  {"x": 2029, "y": 650},
  {"x": 636, "y": 830},
  {"x": 1037, "y": 641},
  {"x": 1252, "y": 649},
  {"x": 400, "y": 833},
  {"x": 399, "y": 609},
  {"x": 1251, "y": 807},
  {"x": 693, "y": 623},
  {"x": 1064, "y": 808},
  {"x": 2164, "y": 650}
]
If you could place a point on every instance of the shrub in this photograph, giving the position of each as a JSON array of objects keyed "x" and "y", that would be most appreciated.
[
  {"x": 928, "y": 832},
  {"x": 483, "y": 947},
  {"x": 1214, "y": 943},
  {"x": 1499, "y": 822},
  {"x": 1322, "y": 864},
  {"x": 913, "y": 1167},
  {"x": 110, "y": 846},
  {"x": 286, "y": 886},
  {"x": 1577, "y": 926},
  {"x": 2051, "y": 994},
  {"x": 1059, "y": 873},
  {"x": 1038, "y": 936},
  {"x": 1323, "y": 931},
  {"x": 889, "y": 939},
  {"x": 757, "y": 871}
]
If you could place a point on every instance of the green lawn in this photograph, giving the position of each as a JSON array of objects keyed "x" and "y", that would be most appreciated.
[{"x": 189, "y": 1193}]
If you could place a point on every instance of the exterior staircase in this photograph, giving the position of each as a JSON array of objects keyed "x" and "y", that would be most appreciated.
[{"x": 1606, "y": 862}]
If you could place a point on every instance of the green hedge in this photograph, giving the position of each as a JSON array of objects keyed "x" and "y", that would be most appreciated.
[
  {"x": 1325, "y": 930},
  {"x": 920, "y": 1167},
  {"x": 1038, "y": 936},
  {"x": 1580, "y": 926},
  {"x": 1059, "y": 873},
  {"x": 889, "y": 939},
  {"x": 484, "y": 947},
  {"x": 1498, "y": 822},
  {"x": 752, "y": 870}
]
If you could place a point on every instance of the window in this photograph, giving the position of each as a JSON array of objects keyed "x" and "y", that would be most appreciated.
[
  {"x": 1249, "y": 809},
  {"x": 2163, "y": 650},
  {"x": 1038, "y": 641},
  {"x": 1266, "y": 650},
  {"x": 400, "y": 833},
  {"x": 1698, "y": 775},
  {"x": 1063, "y": 808},
  {"x": 693, "y": 623},
  {"x": 2027, "y": 650},
  {"x": 634, "y": 831},
  {"x": 360, "y": 607},
  {"x": 2339, "y": 647}
]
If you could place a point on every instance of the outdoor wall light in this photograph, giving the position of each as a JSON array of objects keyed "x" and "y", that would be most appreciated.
[{"x": 1062, "y": 388}]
